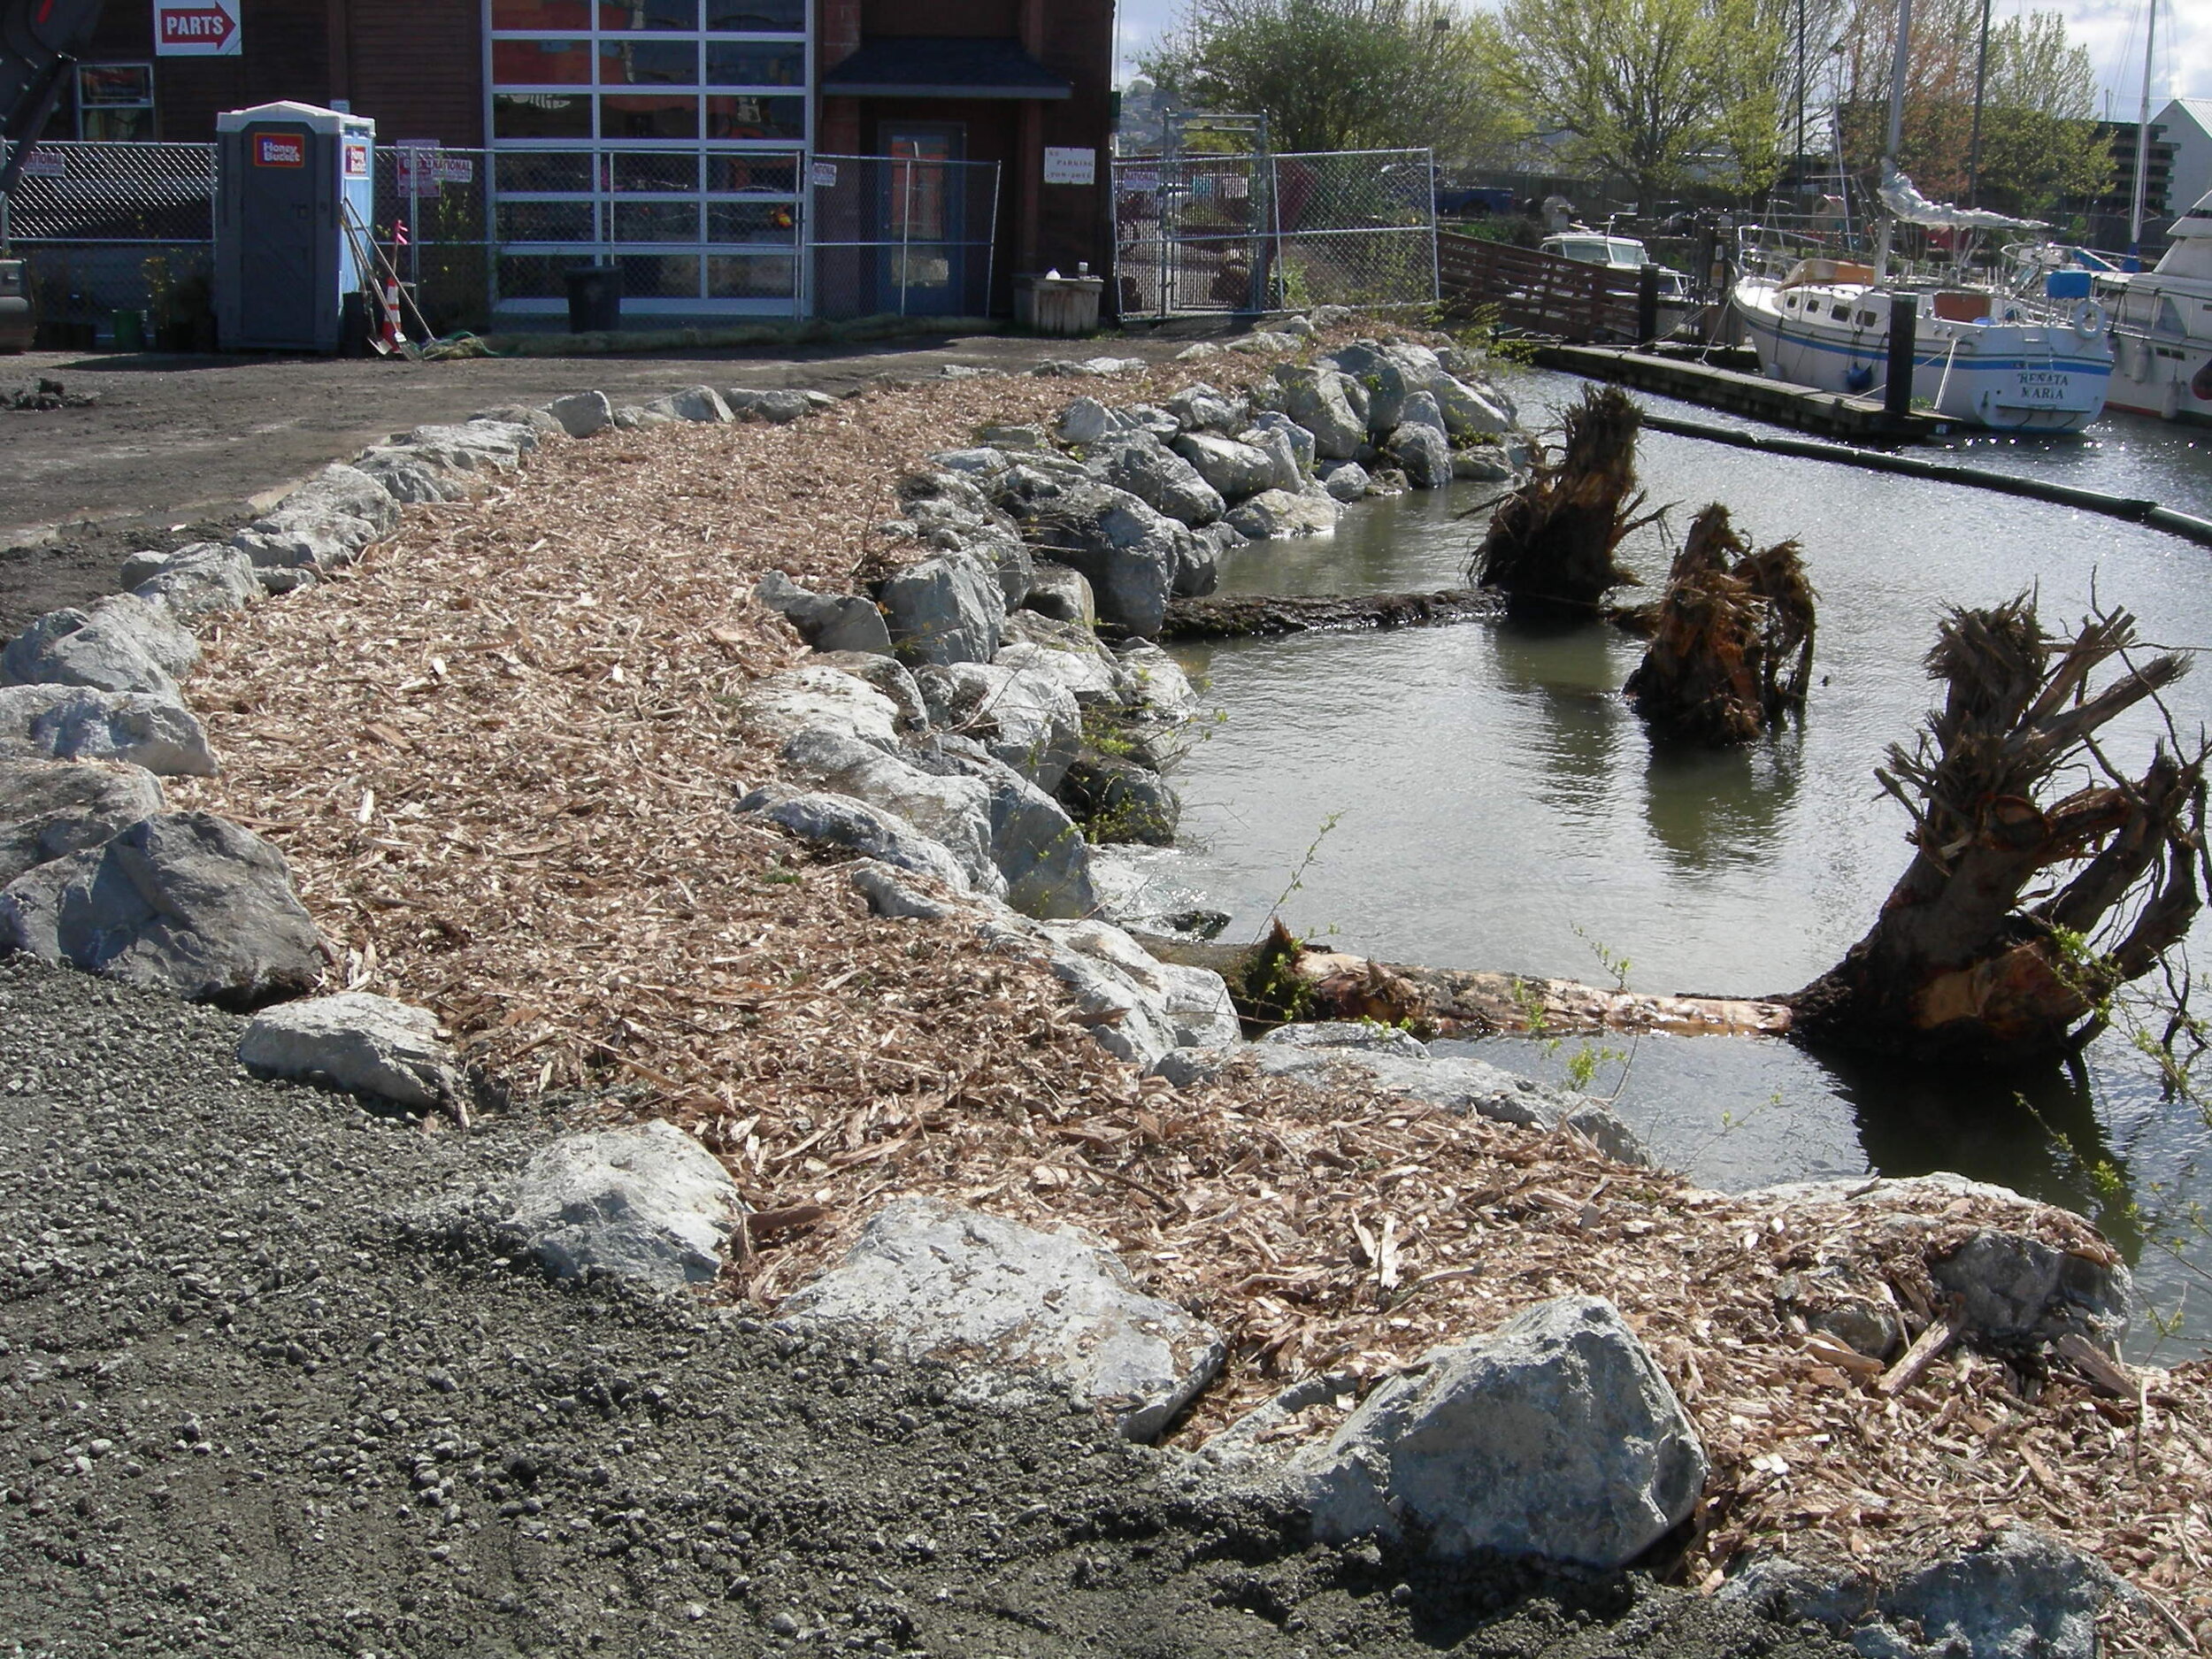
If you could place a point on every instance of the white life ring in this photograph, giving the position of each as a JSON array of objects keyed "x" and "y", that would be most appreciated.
[{"x": 2089, "y": 319}]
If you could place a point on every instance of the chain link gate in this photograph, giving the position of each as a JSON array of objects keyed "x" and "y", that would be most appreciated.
[{"x": 1259, "y": 232}]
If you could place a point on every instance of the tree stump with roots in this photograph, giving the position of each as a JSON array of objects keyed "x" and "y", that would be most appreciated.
[
  {"x": 2021, "y": 915},
  {"x": 1550, "y": 543},
  {"x": 1732, "y": 646}
]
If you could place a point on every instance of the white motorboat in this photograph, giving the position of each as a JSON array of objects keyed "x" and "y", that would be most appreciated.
[{"x": 2162, "y": 326}]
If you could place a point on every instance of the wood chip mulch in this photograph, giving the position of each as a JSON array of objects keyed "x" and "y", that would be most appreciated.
[{"x": 501, "y": 754}]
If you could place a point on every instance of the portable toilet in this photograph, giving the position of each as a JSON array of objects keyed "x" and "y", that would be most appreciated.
[{"x": 293, "y": 193}]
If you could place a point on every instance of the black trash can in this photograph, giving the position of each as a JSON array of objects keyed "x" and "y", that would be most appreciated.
[{"x": 594, "y": 299}]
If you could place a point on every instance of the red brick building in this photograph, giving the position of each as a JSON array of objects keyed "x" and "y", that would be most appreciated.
[{"x": 702, "y": 144}]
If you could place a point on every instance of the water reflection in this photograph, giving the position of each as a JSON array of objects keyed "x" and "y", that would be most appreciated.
[
  {"x": 1562, "y": 676},
  {"x": 1711, "y": 809}
]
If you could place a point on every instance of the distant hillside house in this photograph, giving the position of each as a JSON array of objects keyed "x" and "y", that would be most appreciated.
[{"x": 688, "y": 139}]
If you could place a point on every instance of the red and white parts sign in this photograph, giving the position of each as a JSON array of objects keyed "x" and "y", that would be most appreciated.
[{"x": 196, "y": 28}]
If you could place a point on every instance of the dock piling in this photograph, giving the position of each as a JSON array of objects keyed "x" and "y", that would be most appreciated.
[{"x": 1904, "y": 336}]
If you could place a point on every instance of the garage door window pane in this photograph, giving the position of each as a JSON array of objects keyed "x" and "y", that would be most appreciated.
[
  {"x": 544, "y": 170},
  {"x": 649, "y": 14},
  {"x": 751, "y": 276},
  {"x": 540, "y": 15},
  {"x": 648, "y": 63},
  {"x": 546, "y": 221},
  {"x": 541, "y": 63},
  {"x": 749, "y": 221},
  {"x": 638, "y": 116},
  {"x": 756, "y": 175},
  {"x": 662, "y": 174},
  {"x": 657, "y": 221},
  {"x": 737, "y": 116},
  {"x": 540, "y": 115},
  {"x": 729, "y": 65},
  {"x": 756, "y": 17},
  {"x": 660, "y": 276}
]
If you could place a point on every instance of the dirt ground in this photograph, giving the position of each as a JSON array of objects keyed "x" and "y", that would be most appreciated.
[{"x": 176, "y": 446}]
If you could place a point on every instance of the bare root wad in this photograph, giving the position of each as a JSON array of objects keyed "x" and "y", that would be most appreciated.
[
  {"x": 1731, "y": 648},
  {"x": 1550, "y": 544},
  {"x": 1962, "y": 962}
]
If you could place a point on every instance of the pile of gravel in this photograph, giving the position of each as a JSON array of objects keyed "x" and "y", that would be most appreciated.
[{"x": 248, "y": 1405}]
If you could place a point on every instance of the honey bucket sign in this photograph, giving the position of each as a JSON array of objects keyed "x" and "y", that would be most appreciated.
[{"x": 198, "y": 28}]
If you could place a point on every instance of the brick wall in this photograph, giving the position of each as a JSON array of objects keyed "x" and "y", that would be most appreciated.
[{"x": 415, "y": 65}]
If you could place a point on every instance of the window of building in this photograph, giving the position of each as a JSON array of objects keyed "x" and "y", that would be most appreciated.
[
  {"x": 665, "y": 136},
  {"x": 115, "y": 101}
]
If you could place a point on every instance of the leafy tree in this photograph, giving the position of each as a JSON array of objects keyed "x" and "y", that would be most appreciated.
[
  {"x": 1343, "y": 74},
  {"x": 2038, "y": 139},
  {"x": 1649, "y": 89}
]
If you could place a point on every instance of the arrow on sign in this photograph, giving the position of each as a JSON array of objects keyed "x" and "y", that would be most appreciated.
[{"x": 195, "y": 26}]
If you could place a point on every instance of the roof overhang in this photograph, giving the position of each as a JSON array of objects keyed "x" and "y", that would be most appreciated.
[{"x": 943, "y": 67}]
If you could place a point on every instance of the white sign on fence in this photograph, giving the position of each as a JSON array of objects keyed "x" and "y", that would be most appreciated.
[
  {"x": 198, "y": 28},
  {"x": 823, "y": 175},
  {"x": 420, "y": 167},
  {"x": 45, "y": 164},
  {"x": 1071, "y": 166}
]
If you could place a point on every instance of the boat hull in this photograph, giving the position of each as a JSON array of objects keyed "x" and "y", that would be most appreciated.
[{"x": 2007, "y": 376}]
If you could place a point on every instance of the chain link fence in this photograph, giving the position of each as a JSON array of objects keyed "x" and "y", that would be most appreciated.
[
  {"x": 108, "y": 227},
  {"x": 1237, "y": 233},
  {"x": 903, "y": 235},
  {"x": 483, "y": 237}
]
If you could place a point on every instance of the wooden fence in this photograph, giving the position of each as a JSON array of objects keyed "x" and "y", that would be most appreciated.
[{"x": 1533, "y": 293}]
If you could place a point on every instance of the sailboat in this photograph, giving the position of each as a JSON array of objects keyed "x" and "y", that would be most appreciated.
[{"x": 2014, "y": 362}]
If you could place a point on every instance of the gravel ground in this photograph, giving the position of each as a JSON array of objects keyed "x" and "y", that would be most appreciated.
[{"x": 251, "y": 1400}]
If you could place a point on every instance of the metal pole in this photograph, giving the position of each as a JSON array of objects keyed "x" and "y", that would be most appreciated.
[
  {"x": 1896, "y": 128},
  {"x": 414, "y": 218},
  {"x": 1798, "y": 160},
  {"x": 1974, "y": 144},
  {"x": 906, "y": 235},
  {"x": 990, "y": 244},
  {"x": 2142, "y": 141}
]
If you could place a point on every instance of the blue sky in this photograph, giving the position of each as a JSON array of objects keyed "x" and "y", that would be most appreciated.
[{"x": 2112, "y": 30}]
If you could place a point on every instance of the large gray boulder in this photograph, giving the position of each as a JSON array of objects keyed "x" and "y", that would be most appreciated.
[
  {"x": 1233, "y": 469},
  {"x": 1326, "y": 1053},
  {"x": 1555, "y": 1436},
  {"x": 1276, "y": 514},
  {"x": 1421, "y": 454},
  {"x": 1117, "y": 800},
  {"x": 1020, "y": 711},
  {"x": 188, "y": 903},
  {"x": 1469, "y": 415},
  {"x": 331, "y": 517},
  {"x": 954, "y": 812},
  {"x": 1331, "y": 405},
  {"x": 2022, "y": 1594},
  {"x": 1374, "y": 367},
  {"x": 1131, "y": 555},
  {"x": 2013, "y": 1288},
  {"x": 779, "y": 408},
  {"x": 1200, "y": 408},
  {"x": 694, "y": 402},
  {"x": 1346, "y": 482},
  {"x": 582, "y": 414},
  {"x": 408, "y": 475},
  {"x": 195, "y": 582},
  {"x": 648, "y": 1203},
  {"x": 1304, "y": 457},
  {"x": 50, "y": 809},
  {"x": 982, "y": 532},
  {"x": 1062, "y": 593},
  {"x": 814, "y": 696},
  {"x": 121, "y": 644},
  {"x": 357, "y": 1043},
  {"x": 944, "y": 610},
  {"x": 1034, "y": 845},
  {"x": 1160, "y": 1005},
  {"x": 1012, "y": 1308},
  {"x": 1158, "y": 476},
  {"x": 1068, "y": 654},
  {"x": 828, "y": 622},
  {"x": 77, "y": 723},
  {"x": 840, "y": 821}
]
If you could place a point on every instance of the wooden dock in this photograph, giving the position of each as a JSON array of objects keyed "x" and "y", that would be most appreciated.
[{"x": 1854, "y": 419}]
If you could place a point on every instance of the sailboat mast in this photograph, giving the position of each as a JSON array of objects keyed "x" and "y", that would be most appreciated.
[
  {"x": 1896, "y": 127},
  {"x": 2143, "y": 140},
  {"x": 1974, "y": 145}
]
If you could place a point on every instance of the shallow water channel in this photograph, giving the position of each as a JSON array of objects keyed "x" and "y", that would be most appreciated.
[{"x": 1481, "y": 797}]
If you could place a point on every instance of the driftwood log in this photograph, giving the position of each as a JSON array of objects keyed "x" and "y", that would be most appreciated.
[
  {"x": 2021, "y": 914},
  {"x": 1550, "y": 544},
  {"x": 1240, "y": 616},
  {"x": 1278, "y": 981},
  {"x": 1731, "y": 639}
]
